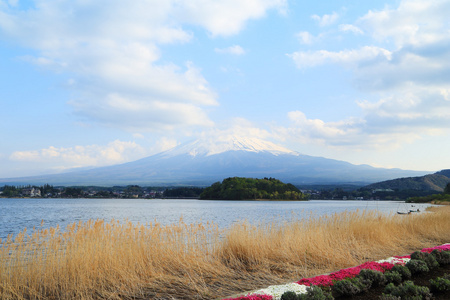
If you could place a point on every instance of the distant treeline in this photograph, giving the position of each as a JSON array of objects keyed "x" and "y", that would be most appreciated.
[
  {"x": 183, "y": 192},
  {"x": 435, "y": 198},
  {"x": 130, "y": 191},
  {"x": 363, "y": 193},
  {"x": 239, "y": 188},
  {"x": 49, "y": 191}
]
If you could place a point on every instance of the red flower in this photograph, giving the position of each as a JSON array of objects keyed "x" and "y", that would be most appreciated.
[
  {"x": 404, "y": 256},
  {"x": 440, "y": 248},
  {"x": 322, "y": 280},
  {"x": 252, "y": 297},
  {"x": 327, "y": 280}
]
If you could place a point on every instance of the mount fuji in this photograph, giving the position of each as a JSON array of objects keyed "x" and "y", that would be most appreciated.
[{"x": 205, "y": 161}]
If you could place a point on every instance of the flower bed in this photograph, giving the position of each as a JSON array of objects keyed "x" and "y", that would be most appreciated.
[
  {"x": 445, "y": 247},
  {"x": 300, "y": 287}
]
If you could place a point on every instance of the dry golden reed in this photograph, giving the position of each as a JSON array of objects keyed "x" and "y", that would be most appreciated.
[{"x": 121, "y": 260}]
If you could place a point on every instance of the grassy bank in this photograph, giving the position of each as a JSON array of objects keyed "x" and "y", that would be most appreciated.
[{"x": 116, "y": 260}]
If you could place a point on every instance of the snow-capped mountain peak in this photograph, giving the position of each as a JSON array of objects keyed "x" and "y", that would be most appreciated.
[{"x": 212, "y": 146}]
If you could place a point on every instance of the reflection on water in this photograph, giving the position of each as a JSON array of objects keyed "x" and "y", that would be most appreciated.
[{"x": 17, "y": 214}]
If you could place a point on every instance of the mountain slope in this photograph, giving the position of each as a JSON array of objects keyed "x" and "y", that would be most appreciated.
[
  {"x": 206, "y": 161},
  {"x": 432, "y": 182}
]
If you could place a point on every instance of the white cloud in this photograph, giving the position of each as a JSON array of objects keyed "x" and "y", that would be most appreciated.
[
  {"x": 389, "y": 122},
  {"x": 112, "y": 51},
  {"x": 317, "y": 131},
  {"x": 13, "y": 2},
  {"x": 234, "y": 50},
  {"x": 138, "y": 135},
  {"x": 347, "y": 58},
  {"x": 349, "y": 27},
  {"x": 417, "y": 109},
  {"x": 225, "y": 17},
  {"x": 351, "y": 134},
  {"x": 82, "y": 156},
  {"x": 406, "y": 66},
  {"x": 420, "y": 52},
  {"x": 326, "y": 20},
  {"x": 164, "y": 144},
  {"x": 141, "y": 113},
  {"x": 305, "y": 37},
  {"x": 413, "y": 22},
  {"x": 236, "y": 127}
]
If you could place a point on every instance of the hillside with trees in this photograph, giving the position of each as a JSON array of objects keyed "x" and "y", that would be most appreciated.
[
  {"x": 443, "y": 198},
  {"x": 433, "y": 182},
  {"x": 239, "y": 188}
]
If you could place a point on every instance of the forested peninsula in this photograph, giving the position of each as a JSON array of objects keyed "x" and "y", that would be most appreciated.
[{"x": 239, "y": 188}]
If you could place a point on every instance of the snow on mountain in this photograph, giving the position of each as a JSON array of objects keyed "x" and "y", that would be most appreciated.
[
  {"x": 209, "y": 160},
  {"x": 212, "y": 146}
]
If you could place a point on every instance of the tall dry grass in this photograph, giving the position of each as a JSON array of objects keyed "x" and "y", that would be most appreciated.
[{"x": 100, "y": 260}]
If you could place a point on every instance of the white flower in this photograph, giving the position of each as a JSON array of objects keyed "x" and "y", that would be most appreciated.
[
  {"x": 277, "y": 290},
  {"x": 395, "y": 260}
]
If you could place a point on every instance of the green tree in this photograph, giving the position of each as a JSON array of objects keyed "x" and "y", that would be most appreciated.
[
  {"x": 72, "y": 192},
  {"x": 447, "y": 189},
  {"x": 10, "y": 191},
  {"x": 133, "y": 190},
  {"x": 47, "y": 189},
  {"x": 183, "y": 192}
]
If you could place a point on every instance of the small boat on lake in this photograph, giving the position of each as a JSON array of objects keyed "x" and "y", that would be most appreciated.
[{"x": 408, "y": 211}]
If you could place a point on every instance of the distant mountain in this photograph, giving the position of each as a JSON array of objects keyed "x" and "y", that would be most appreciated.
[
  {"x": 203, "y": 162},
  {"x": 432, "y": 182}
]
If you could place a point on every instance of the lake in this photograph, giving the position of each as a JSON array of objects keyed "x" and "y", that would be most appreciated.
[{"x": 17, "y": 214}]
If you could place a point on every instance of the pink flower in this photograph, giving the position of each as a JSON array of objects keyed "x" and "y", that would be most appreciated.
[
  {"x": 252, "y": 297},
  {"x": 445, "y": 247},
  {"x": 327, "y": 280},
  {"x": 322, "y": 280},
  {"x": 404, "y": 256}
]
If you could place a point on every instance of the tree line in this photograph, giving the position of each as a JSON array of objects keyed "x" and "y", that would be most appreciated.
[
  {"x": 435, "y": 198},
  {"x": 130, "y": 191},
  {"x": 49, "y": 191}
]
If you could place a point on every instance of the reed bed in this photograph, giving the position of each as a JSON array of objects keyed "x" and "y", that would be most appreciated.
[{"x": 121, "y": 260}]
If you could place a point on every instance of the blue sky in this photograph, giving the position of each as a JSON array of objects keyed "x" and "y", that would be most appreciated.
[{"x": 92, "y": 83}]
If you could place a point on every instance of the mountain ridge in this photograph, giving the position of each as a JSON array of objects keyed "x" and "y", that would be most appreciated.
[
  {"x": 430, "y": 182},
  {"x": 205, "y": 161}
]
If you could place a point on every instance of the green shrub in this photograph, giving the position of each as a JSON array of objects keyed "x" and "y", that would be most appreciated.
[
  {"x": 442, "y": 257},
  {"x": 289, "y": 296},
  {"x": 389, "y": 297},
  {"x": 408, "y": 290},
  {"x": 376, "y": 278},
  {"x": 345, "y": 288},
  {"x": 428, "y": 258},
  {"x": 440, "y": 284},
  {"x": 393, "y": 277},
  {"x": 351, "y": 286},
  {"x": 403, "y": 271},
  {"x": 315, "y": 293},
  {"x": 417, "y": 266}
]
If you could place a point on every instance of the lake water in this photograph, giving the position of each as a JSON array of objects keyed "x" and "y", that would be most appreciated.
[{"x": 17, "y": 214}]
